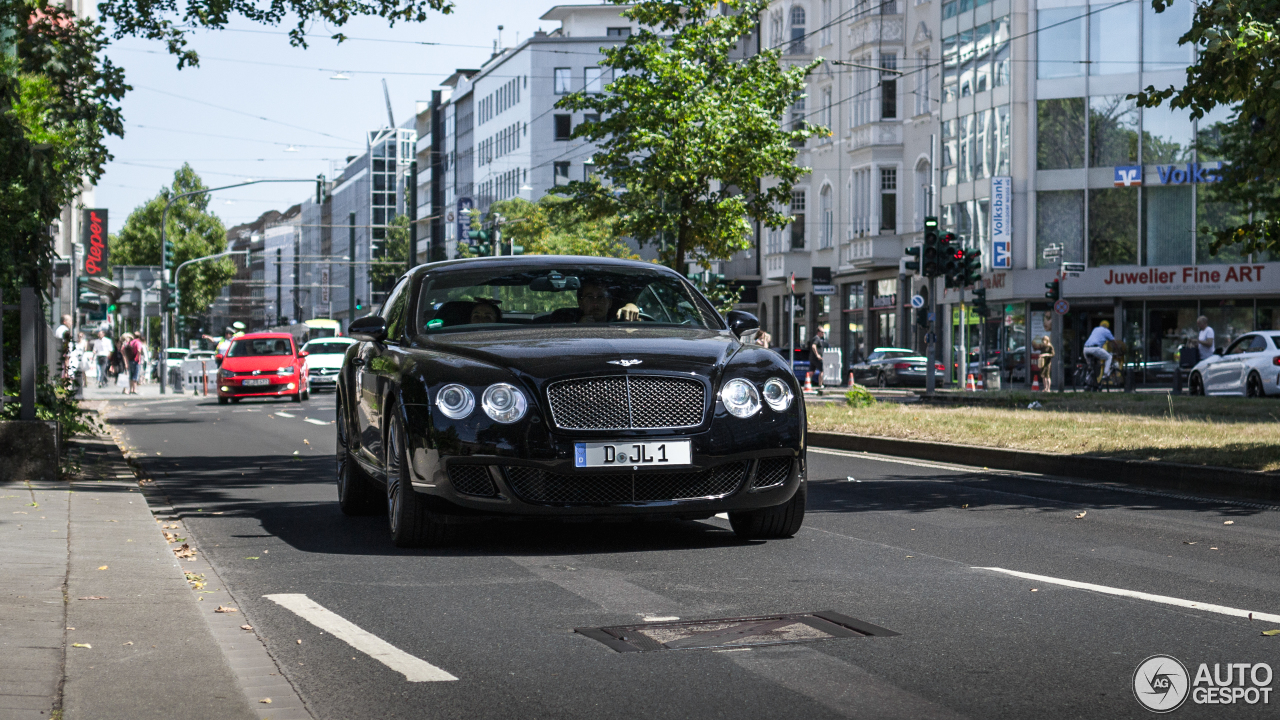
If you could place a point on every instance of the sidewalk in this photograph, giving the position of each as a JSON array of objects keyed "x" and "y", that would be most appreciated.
[{"x": 97, "y": 620}]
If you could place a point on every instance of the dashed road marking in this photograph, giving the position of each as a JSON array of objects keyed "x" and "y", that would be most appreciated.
[
  {"x": 1165, "y": 600},
  {"x": 314, "y": 421},
  {"x": 281, "y": 413},
  {"x": 414, "y": 669}
]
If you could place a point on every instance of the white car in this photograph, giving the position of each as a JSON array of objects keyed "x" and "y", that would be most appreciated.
[
  {"x": 324, "y": 358},
  {"x": 174, "y": 357},
  {"x": 1250, "y": 366}
]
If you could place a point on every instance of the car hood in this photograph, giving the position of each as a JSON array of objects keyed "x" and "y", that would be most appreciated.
[
  {"x": 265, "y": 363},
  {"x": 546, "y": 353}
]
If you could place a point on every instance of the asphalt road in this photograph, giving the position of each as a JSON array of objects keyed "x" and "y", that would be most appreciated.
[{"x": 898, "y": 544}]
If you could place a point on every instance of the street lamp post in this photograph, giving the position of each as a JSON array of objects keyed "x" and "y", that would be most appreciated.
[{"x": 164, "y": 286}]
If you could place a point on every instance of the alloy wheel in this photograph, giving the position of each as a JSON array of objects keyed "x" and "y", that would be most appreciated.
[
  {"x": 344, "y": 468},
  {"x": 395, "y": 501},
  {"x": 1253, "y": 386}
]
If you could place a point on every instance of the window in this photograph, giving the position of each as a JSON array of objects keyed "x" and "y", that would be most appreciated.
[
  {"x": 1060, "y": 134},
  {"x": 982, "y": 58},
  {"x": 593, "y": 79},
  {"x": 797, "y": 118},
  {"x": 826, "y": 23},
  {"x": 561, "y": 174},
  {"x": 562, "y": 81},
  {"x": 1000, "y": 67},
  {"x": 950, "y": 68},
  {"x": 888, "y": 7},
  {"x": 964, "y": 45},
  {"x": 1061, "y": 42},
  {"x": 1160, "y": 33},
  {"x": 1167, "y": 224},
  {"x": 564, "y": 126},
  {"x": 1113, "y": 226},
  {"x": 888, "y": 200},
  {"x": 950, "y": 150},
  {"x": 1113, "y": 39},
  {"x": 1113, "y": 131},
  {"x": 826, "y": 109},
  {"x": 828, "y": 221},
  {"x": 924, "y": 191},
  {"x": 797, "y": 219},
  {"x": 1166, "y": 136},
  {"x": 1004, "y": 129},
  {"x": 620, "y": 32},
  {"x": 588, "y": 169},
  {"x": 1060, "y": 221},
  {"x": 797, "y": 46},
  {"x": 591, "y": 118},
  {"x": 922, "y": 83},
  {"x": 889, "y": 87}
]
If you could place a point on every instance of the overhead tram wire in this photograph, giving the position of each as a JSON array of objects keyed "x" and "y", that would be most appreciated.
[{"x": 239, "y": 112}]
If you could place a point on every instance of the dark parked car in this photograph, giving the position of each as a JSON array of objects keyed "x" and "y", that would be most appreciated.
[
  {"x": 571, "y": 387},
  {"x": 880, "y": 366}
]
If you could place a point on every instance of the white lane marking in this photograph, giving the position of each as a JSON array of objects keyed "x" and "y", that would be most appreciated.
[
  {"x": 284, "y": 414},
  {"x": 314, "y": 421},
  {"x": 1208, "y": 607},
  {"x": 413, "y": 669}
]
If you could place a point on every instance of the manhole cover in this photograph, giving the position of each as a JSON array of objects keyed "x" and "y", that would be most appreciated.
[{"x": 733, "y": 632}]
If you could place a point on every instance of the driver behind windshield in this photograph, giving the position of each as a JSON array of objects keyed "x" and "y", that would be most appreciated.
[{"x": 595, "y": 301}]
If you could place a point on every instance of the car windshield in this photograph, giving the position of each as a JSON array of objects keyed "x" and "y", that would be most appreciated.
[
  {"x": 499, "y": 298},
  {"x": 326, "y": 348},
  {"x": 177, "y": 354},
  {"x": 260, "y": 346}
]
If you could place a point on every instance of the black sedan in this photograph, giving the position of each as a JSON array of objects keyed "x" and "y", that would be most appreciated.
[
  {"x": 889, "y": 366},
  {"x": 571, "y": 387}
]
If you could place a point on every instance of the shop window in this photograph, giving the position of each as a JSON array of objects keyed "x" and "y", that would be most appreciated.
[
  {"x": 1060, "y": 221},
  {"x": 1166, "y": 225},
  {"x": 1166, "y": 136},
  {"x": 1060, "y": 47},
  {"x": 1113, "y": 131},
  {"x": 1060, "y": 133},
  {"x": 1113, "y": 226},
  {"x": 1113, "y": 39},
  {"x": 1160, "y": 33}
]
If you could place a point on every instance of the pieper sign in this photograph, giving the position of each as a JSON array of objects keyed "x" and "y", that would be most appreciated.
[{"x": 95, "y": 242}]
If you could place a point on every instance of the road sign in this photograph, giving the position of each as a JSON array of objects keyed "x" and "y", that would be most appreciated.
[
  {"x": 1008, "y": 321},
  {"x": 824, "y": 289},
  {"x": 931, "y": 317},
  {"x": 1062, "y": 307},
  {"x": 917, "y": 301}
]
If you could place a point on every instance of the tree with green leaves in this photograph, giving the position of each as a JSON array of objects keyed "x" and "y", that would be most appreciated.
[
  {"x": 1237, "y": 43},
  {"x": 690, "y": 136},
  {"x": 193, "y": 230},
  {"x": 389, "y": 265},
  {"x": 555, "y": 226}
]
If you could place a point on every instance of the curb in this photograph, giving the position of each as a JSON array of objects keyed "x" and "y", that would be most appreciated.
[{"x": 1168, "y": 476}]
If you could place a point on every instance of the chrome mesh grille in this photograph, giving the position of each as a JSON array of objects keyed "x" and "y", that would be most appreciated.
[
  {"x": 630, "y": 402},
  {"x": 540, "y": 486},
  {"x": 772, "y": 472},
  {"x": 472, "y": 480}
]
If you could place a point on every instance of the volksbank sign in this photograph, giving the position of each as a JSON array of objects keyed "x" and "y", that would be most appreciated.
[{"x": 1191, "y": 173}]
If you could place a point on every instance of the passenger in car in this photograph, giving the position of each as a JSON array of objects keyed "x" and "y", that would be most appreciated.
[
  {"x": 485, "y": 311},
  {"x": 595, "y": 303}
]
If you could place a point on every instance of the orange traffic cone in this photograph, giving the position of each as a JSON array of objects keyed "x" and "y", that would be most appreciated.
[
  {"x": 968, "y": 382},
  {"x": 1035, "y": 383},
  {"x": 851, "y": 383},
  {"x": 981, "y": 385},
  {"x": 808, "y": 384}
]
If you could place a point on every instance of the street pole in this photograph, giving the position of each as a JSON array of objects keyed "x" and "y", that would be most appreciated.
[
  {"x": 351, "y": 269},
  {"x": 279, "y": 287},
  {"x": 412, "y": 202},
  {"x": 164, "y": 282},
  {"x": 931, "y": 341}
]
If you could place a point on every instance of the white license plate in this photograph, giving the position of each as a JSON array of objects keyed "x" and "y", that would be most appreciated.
[
  {"x": 620, "y": 454},
  {"x": 257, "y": 381}
]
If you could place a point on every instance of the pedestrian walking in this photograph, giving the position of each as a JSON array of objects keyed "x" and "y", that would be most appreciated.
[
  {"x": 132, "y": 352},
  {"x": 1206, "y": 341},
  {"x": 1046, "y": 362},
  {"x": 817, "y": 344},
  {"x": 102, "y": 351}
]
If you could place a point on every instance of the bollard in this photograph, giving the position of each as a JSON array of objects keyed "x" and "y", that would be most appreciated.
[
  {"x": 1177, "y": 380},
  {"x": 204, "y": 373}
]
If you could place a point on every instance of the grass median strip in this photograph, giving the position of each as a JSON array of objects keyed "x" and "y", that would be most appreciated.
[{"x": 1223, "y": 432}]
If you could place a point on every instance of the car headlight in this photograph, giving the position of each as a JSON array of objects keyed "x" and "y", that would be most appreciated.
[
  {"x": 455, "y": 401},
  {"x": 504, "y": 403},
  {"x": 740, "y": 398},
  {"x": 777, "y": 394},
  {"x": 284, "y": 370}
]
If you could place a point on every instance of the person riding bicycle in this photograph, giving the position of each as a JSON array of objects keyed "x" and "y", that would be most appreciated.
[{"x": 1095, "y": 346}]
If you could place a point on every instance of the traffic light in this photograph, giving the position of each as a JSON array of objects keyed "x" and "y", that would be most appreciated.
[
  {"x": 1055, "y": 289},
  {"x": 980, "y": 301},
  {"x": 922, "y": 317},
  {"x": 111, "y": 309},
  {"x": 169, "y": 253},
  {"x": 932, "y": 248},
  {"x": 481, "y": 235},
  {"x": 913, "y": 265},
  {"x": 483, "y": 249},
  {"x": 517, "y": 249},
  {"x": 972, "y": 267},
  {"x": 359, "y": 304},
  {"x": 952, "y": 260},
  {"x": 171, "y": 297}
]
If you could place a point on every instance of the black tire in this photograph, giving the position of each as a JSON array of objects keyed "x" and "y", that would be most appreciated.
[
  {"x": 1253, "y": 386},
  {"x": 306, "y": 394},
  {"x": 780, "y": 521},
  {"x": 222, "y": 400},
  {"x": 357, "y": 493},
  {"x": 1195, "y": 385},
  {"x": 412, "y": 524},
  {"x": 881, "y": 381},
  {"x": 235, "y": 400}
]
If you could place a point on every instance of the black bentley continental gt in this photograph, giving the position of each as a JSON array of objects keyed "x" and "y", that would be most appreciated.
[{"x": 570, "y": 387}]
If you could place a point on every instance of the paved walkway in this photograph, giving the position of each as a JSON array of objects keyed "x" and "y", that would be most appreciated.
[{"x": 97, "y": 619}]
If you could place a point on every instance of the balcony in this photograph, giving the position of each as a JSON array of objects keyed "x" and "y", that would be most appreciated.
[
  {"x": 873, "y": 252},
  {"x": 781, "y": 265},
  {"x": 876, "y": 29},
  {"x": 877, "y": 133}
]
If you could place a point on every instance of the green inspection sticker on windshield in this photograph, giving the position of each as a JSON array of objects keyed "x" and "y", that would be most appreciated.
[{"x": 435, "y": 324}]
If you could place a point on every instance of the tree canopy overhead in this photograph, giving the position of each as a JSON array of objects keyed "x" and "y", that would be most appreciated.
[
  {"x": 170, "y": 20},
  {"x": 689, "y": 130},
  {"x": 1237, "y": 43}
]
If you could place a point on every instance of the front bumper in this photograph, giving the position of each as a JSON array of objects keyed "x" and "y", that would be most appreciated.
[
  {"x": 761, "y": 465},
  {"x": 277, "y": 385},
  {"x": 323, "y": 380}
]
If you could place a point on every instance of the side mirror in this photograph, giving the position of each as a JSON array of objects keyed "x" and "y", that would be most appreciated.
[
  {"x": 370, "y": 328},
  {"x": 741, "y": 322},
  {"x": 303, "y": 353}
]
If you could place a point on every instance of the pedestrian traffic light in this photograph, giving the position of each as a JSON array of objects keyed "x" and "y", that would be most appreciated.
[
  {"x": 1055, "y": 289},
  {"x": 111, "y": 309},
  {"x": 972, "y": 267},
  {"x": 913, "y": 265},
  {"x": 931, "y": 250},
  {"x": 980, "y": 301},
  {"x": 359, "y": 304},
  {"x": 169, "y": 252}
]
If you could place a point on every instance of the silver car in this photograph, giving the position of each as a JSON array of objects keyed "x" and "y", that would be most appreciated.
[{"x": 1250, "y": 366}]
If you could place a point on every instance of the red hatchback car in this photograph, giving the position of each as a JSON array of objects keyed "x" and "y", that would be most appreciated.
[{"x": 263, "y": 365}]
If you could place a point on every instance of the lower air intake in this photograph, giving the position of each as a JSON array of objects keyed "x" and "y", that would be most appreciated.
[
  {"x": 772, "y": 472},
  {"x": 472, "y": 480},
  {"x": 540, "y": 486}
]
